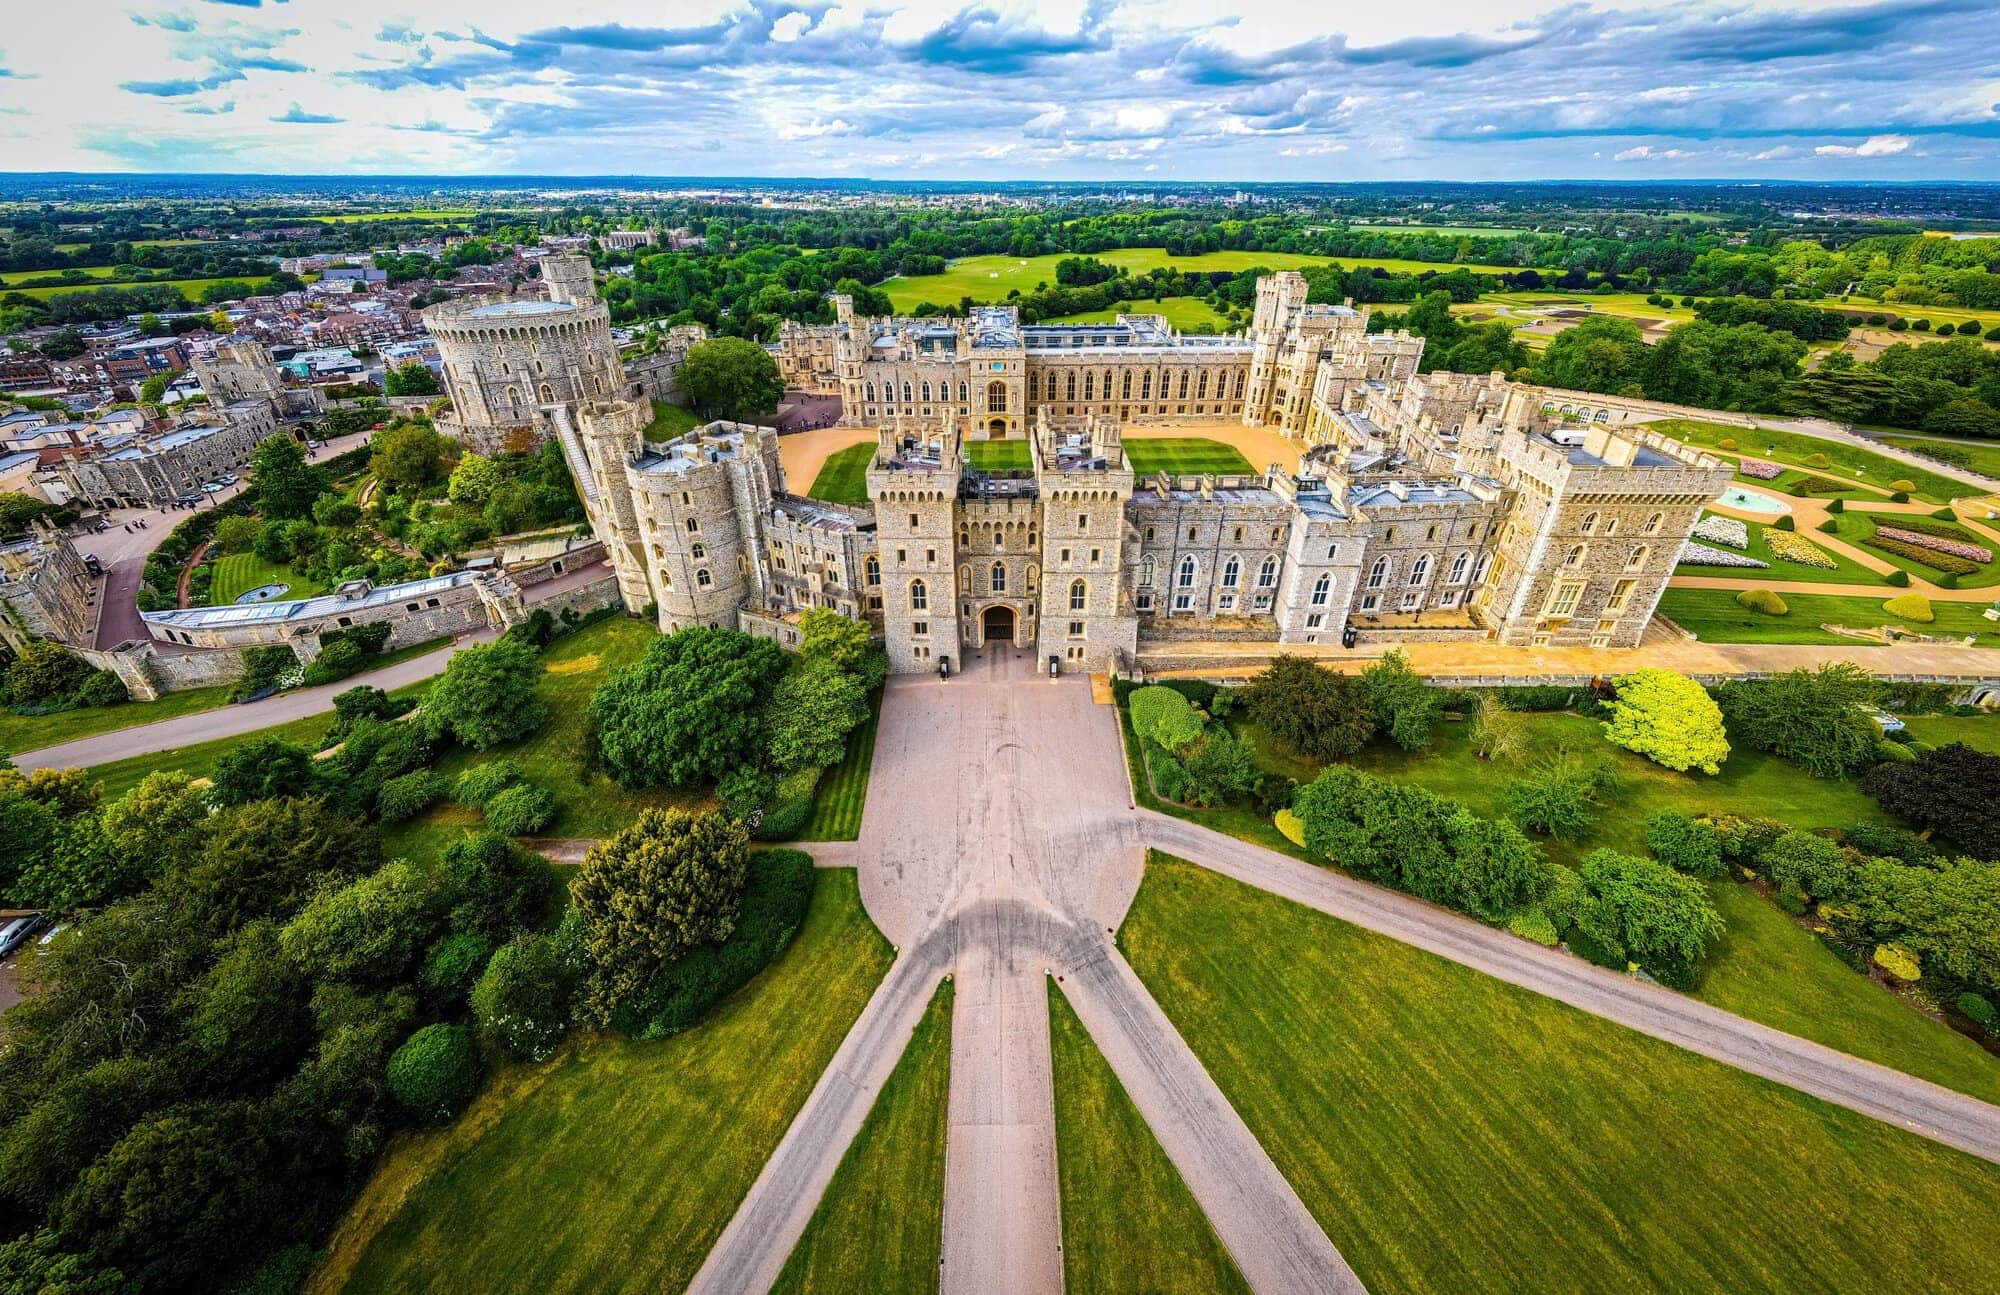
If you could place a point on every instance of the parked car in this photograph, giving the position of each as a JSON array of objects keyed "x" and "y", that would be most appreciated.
[
  {"x": 16, "y": 930},
  {"x": 212, "y": 487},
  {"x": 91, "y": 563}
]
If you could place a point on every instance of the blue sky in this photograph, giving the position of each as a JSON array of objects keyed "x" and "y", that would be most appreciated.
[{"x": 1134, "y": 89}]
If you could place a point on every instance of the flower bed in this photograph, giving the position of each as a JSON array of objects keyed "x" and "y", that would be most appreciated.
[
  {"x": 1956, "y": 548},
  {"x": 1702, "y": 555},
  {"x": 1788, "y": 546},
  {"x": 1761, "y": 469},
  {"x": 1942, "y": 530},
  {"x": 1817, "y": 485},
  {"x": 1936, "y": 561},
  {"x": 1722, "y": 530}
]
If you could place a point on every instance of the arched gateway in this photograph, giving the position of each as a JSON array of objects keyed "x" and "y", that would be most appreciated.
[{"x": 996, "y": 625}]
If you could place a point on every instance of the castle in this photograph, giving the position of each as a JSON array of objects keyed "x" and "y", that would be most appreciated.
[{"x": 1441, "y": 505}]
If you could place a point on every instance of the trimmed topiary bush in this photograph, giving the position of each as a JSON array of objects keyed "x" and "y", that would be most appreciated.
[
  {"x": 1837, "y": 506},
  {"x": 520, "y": 810},
  {"x": 1766, "y": 601},
  {"x": 434, "y": 1074},
  {"x": 1291, "y": 827},
  {"x": 1899, "y": 578},
  {"x": 1901, "y": 962},
  {"x": 1164, "y": 717},
  {"x": 1899, "y": 497},
  {"x": 1830, "y": 527},
  {"x": 1893, "y": 753},
  {"x": 1944, "y": 515},
  {"x": 1911, "y": 607},
  {"x": 1979, "y": 1011},
  {"x": 1785, "y": 523},
  {"x": 1903, "y": 483},
  {"x": 1726, "y": 443},
  {"x": 1818, "y": 461}
]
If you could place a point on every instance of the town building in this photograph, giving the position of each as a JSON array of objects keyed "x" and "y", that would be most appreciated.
[
  {"x": 129, "y": 470},
  {"x": 45, "y": 590},
  {"x": 624, "y": 240}
]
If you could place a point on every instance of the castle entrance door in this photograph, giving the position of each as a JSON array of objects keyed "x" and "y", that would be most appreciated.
[
  {"x": 998, "y": 427},
  {"x": 997, "y": 625}
]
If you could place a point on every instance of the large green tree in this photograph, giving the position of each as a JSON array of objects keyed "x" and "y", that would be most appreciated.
[
  {"x": 648, "y": 896},
  {"x": 733, "y": 378},
  {"x": 687, "y": 711},
  {"x": 1326, "y": 715},
  {"x": 409, "y": 456},
  {"x": 286, "y": 484},
  {"x": 1812, "y": 717},
  {"x": 486, "y": 695},
  {"x": 1599, "y": 354},
  {"x": 1668, "y": 718},
  {"x": 810, "y": 713}
]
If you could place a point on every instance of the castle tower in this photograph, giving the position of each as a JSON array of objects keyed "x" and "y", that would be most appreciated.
[
  {"x": 1087, "y": 619},
  {"x": 570, "y": 279},
  {"x": 913, "y": 485},
  {"x": 600, "y": 444},
  {"x": 1279, "y": 298}
]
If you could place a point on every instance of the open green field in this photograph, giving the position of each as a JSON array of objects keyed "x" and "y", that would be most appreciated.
[
  {"x": 1977, "y": 456},
  {"x": 843, "y": 790},
  {"x": 1455, "y": 1133},
  {"x": 189, "y": 288},
  {"x": 1176, "y": 455},
  {"x": 1128, "y": 1221},
  {"x": 1713, "y": 616},
  {"x": 19, "y": 733},
  {"x": 358, "y": 217},
  {"x": 1188, "y": 314},
  {"x": 1795, "y": 448},
  {"x": 1623, "y": 305},
  {"x": 615, "y": 1165},
  {"x": 237, "y": 574},
  {"x": 880, "y": 1226},
  {"x": 11, "y": 277},
  {"x": 1954, "y": 315},
  {"x": 1448, "y": 231},
  {"x": 1846, "y": 571},
  {"x": 558, "y": 757},
  {"x": 843, "y": 478},
  {"x": 989, "y": 278},
  {"x": 1980, "y": 732},
  {"x": 997, "y": 456},
  {"x": 670, "y": 421}
]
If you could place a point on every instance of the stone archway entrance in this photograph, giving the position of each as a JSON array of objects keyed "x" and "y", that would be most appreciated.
[
  {"x": 996, "y": 625},
  {"x": 998, "y": 427}
]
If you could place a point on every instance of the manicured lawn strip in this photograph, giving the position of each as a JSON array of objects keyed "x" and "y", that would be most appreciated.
[
  {"x": 1980, "y": 732},
  {"x": 880, "y": 1226},
  {"x": 1795, "y": 448},
  {"x": 670, "y": 421},
  {"x": 1128, "y": 1221},
  {"x": 1978, "y": 458},
  {"x": 1455, "y": 1133},
  {"x": 1846, "y": 570},
  {"x": 843, "y": 478},
  {"x": 1714, "y": 616},
  {"x": 19, "y": 733},
  {"x": 1178, "y": 455},
  {"x": 237, "y": 574},
  {"x": 843, "y": 790},
  {"x": 997, "y": 456},
  {"x": 615, "y": 1165},
  {"x": 1772, "y": 971}
]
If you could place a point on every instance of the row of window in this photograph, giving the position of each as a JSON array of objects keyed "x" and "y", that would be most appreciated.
[
  {"x": 1588, "y": 525},
  {"x": 920, "y": 592},
  {"x": 1090, "y": 386}
]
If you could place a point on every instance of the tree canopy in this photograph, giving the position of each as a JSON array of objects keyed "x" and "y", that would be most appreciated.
[
  {"x": 733, "y": 378},
  {"x": 687, "y": 711},
  {"x": 1668, "y": 718}
]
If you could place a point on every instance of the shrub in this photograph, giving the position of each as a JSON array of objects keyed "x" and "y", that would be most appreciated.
[
  {"x": 773, "y": 907},
  {"x": 1911, "y": 607},
  {"x": 790, "y": 806},
  {"x": 1594, "y": 949},
  {"x": 1405, "y": 706},
  {"x": 520, "y": 810},
  {"x": 1893, "y": 753},
  {"x": 1561, "y": 798},
  {"x": 1685, "y": 844},
  {"x": 403, "y": 798},
  {"x": 526, "y": 998},
  {"x": 1811, "y": 864},
  {"x": 1668, "y": 718},
  {"x": 434, "y": 1074},
  {"x": 1837, "y": 506},
  {"x": 1785, "y": 523},
  {"x": 1818, "y": 461},
  {"x": 1903, "y": 484},
  {"x": 1534, "y": 924},
  {"x": 452, "y": 965},
  {"x": 1290, "y": 826},
  {"x": 1979, "y": 1011},
  {"x": 1881, "y": 841},
  {"x": 1897, "y": 579},
  {"x": 1830, "y": 527},
  {"x": 1791, "y": 899},
  {"x": 1899, "y": 497},
  {"x": 1319, "y": 712},
  {"x": 1899, "y": 961},
  {"x": 1948, "y": 791},
  {"x": 1164, "y": 717},
  {"x": 264, "y": 668},
  {"x": 482, "y": 782},
  {"x": 1662, "y": 919},
  {"x": 1766, "y": 601},
  {"x": 1726, "y": 443},
  {"x": 102, "y": 688}
]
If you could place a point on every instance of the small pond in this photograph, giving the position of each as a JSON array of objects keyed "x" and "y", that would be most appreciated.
[
  {"x": 1752, "y": 501},
  {"x": 262, "y": 594}
]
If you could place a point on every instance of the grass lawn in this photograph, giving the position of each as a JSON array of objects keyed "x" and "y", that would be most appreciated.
[
  {"x": 1455, "y": 1133},
  {"x": 1856, "y": 527},
  {"x": 1188, "y": 314},
  {"x": 670, "y": 421},
  {"x": 1128, "y": 1221},
  {"x": 20, "y": 733},
  {"x": 1178, "y": 455},
  {"x": 615, "y": 1165},
  {"x": 1795, "y": 448},
  {"x": 1713, "y": 615},
  {"x": 189, "y": 288},
  {"x": 1978, "y": 458},
  {"x": 1980, "y": 732},
  {"x": 880, "y": 1226},
  {"x": 1446, "y": 231},
  {"x": 1846, "y": 570},
  {"x": 237, "y": 574},
  {"x": 843, "y": 478},
  {"x": 843, "y": 790},
  {"x": 1623, "y": 305},
  {"x": 588, "y": 802},
  {"x": 9, "y": 278},
  {"x": 998, "y": 456}
]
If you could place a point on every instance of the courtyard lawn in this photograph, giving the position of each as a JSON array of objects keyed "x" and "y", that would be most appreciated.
[
  {"x": 880, "y": 1226},
  {"x": 1184, "y": 455},
  {"x": 557, "y": 757},
  {"x": 843, "y": 790},
  {"x": 20, "y": 733},
  {"x": 1981, "y": 458},
  {"x": 843, "y": 478},
  {"x": 1795, "y": 448},
  {"x": 670, "y": 421},
  {"x": 1846, "y": 571},
  {"x": 1856, "y": 527},
  {"x": 237, "y": 574},
  {"x": 997, "y": 456},
  {"x": 1128, "y": 1221},
  {"x": 1188, "y": 314},
  {"x": 615, "y": 1165},
  {"x": 1455, "y": 1133},
  {"x": 1714, "y": 616}
]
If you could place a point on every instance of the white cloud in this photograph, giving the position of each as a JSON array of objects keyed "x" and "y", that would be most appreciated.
[{"x": 1873, "y": 146}]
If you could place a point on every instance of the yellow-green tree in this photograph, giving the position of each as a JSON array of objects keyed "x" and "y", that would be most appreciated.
[{"x": 1670, "y": 719}]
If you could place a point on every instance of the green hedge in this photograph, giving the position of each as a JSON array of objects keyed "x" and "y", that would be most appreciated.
[{"x": 775, "y": 900}]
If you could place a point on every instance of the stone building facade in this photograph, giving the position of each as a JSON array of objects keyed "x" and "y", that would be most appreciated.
[
  {"x": 1436, "y": 504},
  {"x": 157, "y": 470},
  {"x": 45, "y": 591}
]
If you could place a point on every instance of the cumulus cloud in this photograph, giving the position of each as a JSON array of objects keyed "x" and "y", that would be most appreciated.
[
  {"x": 1873, "y": 146},
  {"x": 300, "y": 117}
]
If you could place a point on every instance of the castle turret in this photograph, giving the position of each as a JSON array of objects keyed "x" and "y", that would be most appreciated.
[{"x": 570, "y": 279}]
